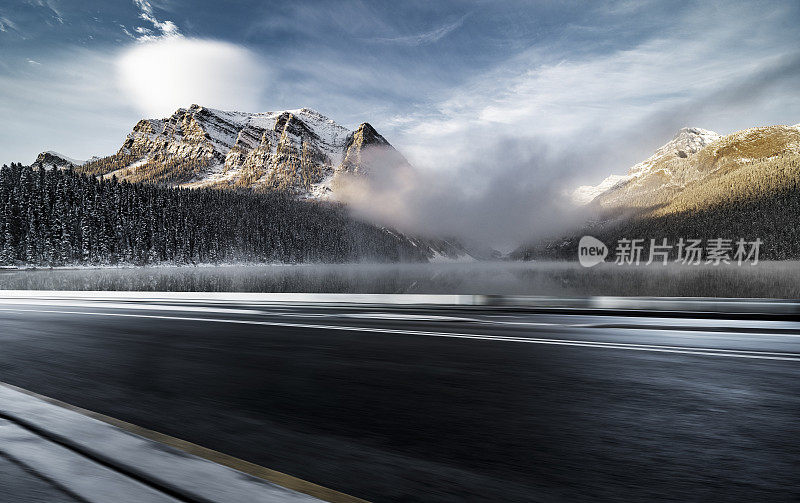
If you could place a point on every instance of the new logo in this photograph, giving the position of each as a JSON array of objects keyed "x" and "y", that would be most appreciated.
[{"x": 591, "y": 251}]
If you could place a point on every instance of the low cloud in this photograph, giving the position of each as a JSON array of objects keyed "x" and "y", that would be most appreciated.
[
  {"x": 496, "y": 159},
  {"x": 500, "y": 196}
]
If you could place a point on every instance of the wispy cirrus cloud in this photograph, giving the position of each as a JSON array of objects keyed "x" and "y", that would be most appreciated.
[
  {"x": 548, "y": 93},
  {"x": 424, "y": 38},
  {"x": 160, "y": 28},
  {"x": 82, "y": 99},
  {"x": 67, "y": 102},
  {"x": 496, "y": 155},
  {"x": 50, "y": 5},
  {"x": 498, "y": 115},
  {"x": 6, "y": 24}
]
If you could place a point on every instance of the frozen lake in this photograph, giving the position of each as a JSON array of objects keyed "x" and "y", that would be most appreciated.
[{"x": 775, "y": 279}]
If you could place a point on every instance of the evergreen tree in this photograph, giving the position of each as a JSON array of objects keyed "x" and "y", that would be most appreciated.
[{"x": 52, "y": 217}]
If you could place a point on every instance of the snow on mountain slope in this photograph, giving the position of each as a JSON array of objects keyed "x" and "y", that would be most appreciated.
[
  {"x": 50, "y": 159},
  {"x": 587, "y": 193},
  {"x": 693, "y": 157},
  {"x": 669, "y": 169},
  {"x": 297, "y": 150},
  {"x": 300, "y": 151}
]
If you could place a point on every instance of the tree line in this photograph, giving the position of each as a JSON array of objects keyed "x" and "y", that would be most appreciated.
[
  {"x": 757, "y": 199},
  {"x": 60, "y": 217}
]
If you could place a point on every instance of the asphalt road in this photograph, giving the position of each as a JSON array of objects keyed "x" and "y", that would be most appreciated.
[{"x": 434, "y": 404}]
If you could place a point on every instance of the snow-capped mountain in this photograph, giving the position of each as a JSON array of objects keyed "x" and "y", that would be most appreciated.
[
  {"x": 743, "y": 185},
  {"x": 297, "y": 150},
  {"x": 670, "y": 168},
  {"x": 690, "y": 159},
  {"x": 50, "y": 160},
  {"x": 300, "y": 151}
]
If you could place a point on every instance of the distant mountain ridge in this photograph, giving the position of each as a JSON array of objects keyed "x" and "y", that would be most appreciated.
[
  {"x": 299, "y": 151},
  {"x": 51, "y": 159},
  {"x": 692, "y": 156},
  {"x": 699, "y": 185},
  {"x": 669, "y": 168}
]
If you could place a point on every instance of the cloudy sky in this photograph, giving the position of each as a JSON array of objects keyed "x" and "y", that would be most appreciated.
[{"x": 544, "y": 94}]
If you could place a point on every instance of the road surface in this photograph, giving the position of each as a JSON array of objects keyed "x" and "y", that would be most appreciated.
[{"x": 437, "y": 404}]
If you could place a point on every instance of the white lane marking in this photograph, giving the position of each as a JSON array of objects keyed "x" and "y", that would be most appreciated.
[
  {"x": 400, "y": 316},
  {"x": 284, "y": 298},
  {"x": 290, "y": 314},
  {"x": 414, "y": 317},
  {"x": 645, "y": 326},
  {"x": 749, "y": 329},
  {"x": 691, "y": 331},
  {"x": 731, "y": 353},
  {"x": 652, "y": 324},
  {"x": 120, "y": 305}
]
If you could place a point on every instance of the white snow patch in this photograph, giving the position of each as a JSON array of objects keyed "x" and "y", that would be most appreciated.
[
  {"x": 216, "y": 174},
  {"x": 686, "y": 142},
  {"x": 332, "y": 135},
  {"x": 587, "y": 193},
  {"x": 123, "y": 171},
  {"x": 76, "y": 162},
  {"x": 223, "y": 130},
  {"x": 66, "y": 160}
]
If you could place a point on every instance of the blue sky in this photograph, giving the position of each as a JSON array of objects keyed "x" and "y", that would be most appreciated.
[{"x": 548, "y": 93}]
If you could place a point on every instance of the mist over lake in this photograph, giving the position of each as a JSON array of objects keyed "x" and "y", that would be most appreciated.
[{"x": 767, "y": 279}]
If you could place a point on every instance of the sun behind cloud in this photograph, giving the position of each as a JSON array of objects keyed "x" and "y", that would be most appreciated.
[{"x": 164, "y": 74}]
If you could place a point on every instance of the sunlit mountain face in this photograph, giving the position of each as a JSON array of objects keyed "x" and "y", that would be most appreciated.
[{"x": 300, "y": 151}]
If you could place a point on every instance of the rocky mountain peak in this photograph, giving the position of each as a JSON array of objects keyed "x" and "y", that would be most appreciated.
[
  {"x": 51, "y": 160},
  {"x": 690, "y": 140},
  {"x": 288, "y": 123},
  {"x": 366, "y": 150},
  {"x": 668, "y": 169},
  {"x": 690, "y": 158},
  {"x": 368, "y": 136},
  {"x": 297, "y": 150}
]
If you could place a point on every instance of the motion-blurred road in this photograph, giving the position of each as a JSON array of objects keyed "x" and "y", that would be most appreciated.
[{"x": 438, "y": 404}]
